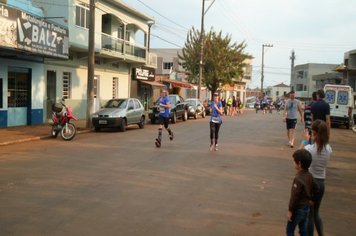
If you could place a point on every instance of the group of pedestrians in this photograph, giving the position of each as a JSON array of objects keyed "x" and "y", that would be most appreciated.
[
  {"x": 232, "y": 106},
  {"x": 310, "y": 160},
  {"x": 266, "y": 104}
]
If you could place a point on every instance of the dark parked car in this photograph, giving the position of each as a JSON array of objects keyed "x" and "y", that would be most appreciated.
[
  {"x": 195, "y": 108},
  {"x": 118, "y": 113},
  {"x": 179, "y": 109},
  {"x": 207, "y": 105}
]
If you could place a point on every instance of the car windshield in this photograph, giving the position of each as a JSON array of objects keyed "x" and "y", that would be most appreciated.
[
  {"x": 172, "y": 100},
  {"x": 116, "y": 104},
  {"x": 192, "y": 102}
]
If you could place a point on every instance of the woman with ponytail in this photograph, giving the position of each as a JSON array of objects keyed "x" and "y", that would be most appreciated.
[{"x": 320, "y": 151}]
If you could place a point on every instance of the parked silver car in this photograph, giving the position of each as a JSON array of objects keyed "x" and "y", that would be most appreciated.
[
  {"x": 196, "y": 108},
  {"x": 119, "y": 113}
]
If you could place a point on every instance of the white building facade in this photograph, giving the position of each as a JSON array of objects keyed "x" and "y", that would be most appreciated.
[{"x": 302, "y": 82}]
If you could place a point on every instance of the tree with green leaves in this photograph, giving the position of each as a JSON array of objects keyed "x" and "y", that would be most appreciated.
[{"x": 223, "y": 60}]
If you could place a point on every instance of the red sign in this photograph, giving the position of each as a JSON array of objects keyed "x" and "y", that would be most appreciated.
[{"x": 181, "y": 85}]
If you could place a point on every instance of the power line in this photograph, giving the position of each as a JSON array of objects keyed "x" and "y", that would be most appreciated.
[
  {"x": 162, "y": 15},
  {"x": 166, "y": 40}
]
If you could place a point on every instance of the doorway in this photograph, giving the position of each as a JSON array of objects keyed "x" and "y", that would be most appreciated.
[
  {"x": 96, "y": 93},
  {"x": 51, "y": 91},
  {"x": 19, "y": 96}
]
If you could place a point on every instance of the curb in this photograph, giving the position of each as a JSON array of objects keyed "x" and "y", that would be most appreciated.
[{"x": 36, "y": 138}]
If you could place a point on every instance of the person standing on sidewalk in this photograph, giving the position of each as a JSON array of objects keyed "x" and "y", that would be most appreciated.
[
  {"x": 308, "y": 116},
  {"x": 229, "y": 104},
  {"x": 290, "y": 117},
  {"x": 223, "y": 103},
  {"x": 215, "y": 121},
  {"x": 238, "y": 105},
  {"x": 164, "y": 106},
  {"x": 320, "y": 151},
  {"x": 304, "y": 193},
  {"x": 321, "y": 109},
  {"x": 233, "y": 106}
]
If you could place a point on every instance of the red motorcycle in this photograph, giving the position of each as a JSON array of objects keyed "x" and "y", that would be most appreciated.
[{"x": 61, "y": 122}]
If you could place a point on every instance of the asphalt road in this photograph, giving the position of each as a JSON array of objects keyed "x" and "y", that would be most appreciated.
[{"x": 113, "y": 183}]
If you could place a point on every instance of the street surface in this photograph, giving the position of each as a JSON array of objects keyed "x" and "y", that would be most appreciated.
[{"x": 113, "y": 183}]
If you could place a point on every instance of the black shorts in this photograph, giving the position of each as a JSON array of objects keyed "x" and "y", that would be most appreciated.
[
  {"x": 163, "y": 121},
  {"x": 264, "y": 106},
  {"x": 234, "y": 104},
  {"x": 291, "y": 123}
]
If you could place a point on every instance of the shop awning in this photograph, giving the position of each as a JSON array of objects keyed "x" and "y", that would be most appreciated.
[
  {"x": 196, "y": 88},
  {"x": 154, "y": 84},
  {"x": 177, "y": 83}
]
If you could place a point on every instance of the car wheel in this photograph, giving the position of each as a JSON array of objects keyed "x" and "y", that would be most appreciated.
[
  {"x": 123, "y": 125},
  {"x": 142, "y": 122},
  {"x": 185, "y": 115},
  {"x": 174, "y": 118},
  {"x": 203, "y": 115},
  {"x": 195, "y": 115},
  {"x": 97, "y": 129},
  {"x": 153, "y": 121}
]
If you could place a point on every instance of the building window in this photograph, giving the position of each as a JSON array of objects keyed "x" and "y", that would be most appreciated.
[
  {"x": 305, "y": 88},
  {"x": 300, "y": 74},
  {"x": 114, "y": 87},
  {"x": 167, "y": 65},
  {"x": 82, "y": 15},
  {"x": 299, "y": 87},
  {"x": 277, "y": 93},
  {"x": 120, "y": 33},
  {"x": 66, "y": 85}
]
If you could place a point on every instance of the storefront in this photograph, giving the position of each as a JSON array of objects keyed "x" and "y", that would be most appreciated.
[
  {"x": 25, "y": 42},
  {"x": 144, "y": 87}
]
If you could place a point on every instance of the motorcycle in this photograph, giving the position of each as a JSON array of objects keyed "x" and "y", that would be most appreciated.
[{"x": 61, "y": 121}]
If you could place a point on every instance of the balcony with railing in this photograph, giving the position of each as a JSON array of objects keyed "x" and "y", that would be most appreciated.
[{"x": 112, "y": 43}]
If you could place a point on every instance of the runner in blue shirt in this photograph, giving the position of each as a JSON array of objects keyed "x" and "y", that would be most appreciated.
[
  {"x": 264, "y": 105},
  {"x": 164, "y": 106},
  {"x": 279, "y": 104},
  {"x": 257, "y": 104},
  {"x": 215, "y": 121},
  {"x": 271, "y": 105}
]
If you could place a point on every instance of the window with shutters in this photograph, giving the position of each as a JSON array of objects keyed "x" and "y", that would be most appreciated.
[{"x": 66, "y": 85}]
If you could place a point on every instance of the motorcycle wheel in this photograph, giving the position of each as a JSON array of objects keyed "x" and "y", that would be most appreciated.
[
  {"x": 354, "y": 128},
  {"x": 54, "y": 133},
  {"x": 68, "y": 134}
]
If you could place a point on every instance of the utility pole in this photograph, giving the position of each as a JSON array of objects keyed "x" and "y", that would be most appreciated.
[
  {"x": 292, "y": 58},
  {"x": 91, "y": 66},
  {"x": 202, "y": 47},
  {"x": 263, "y": 53},
  {"x": 201, "y": 52}
]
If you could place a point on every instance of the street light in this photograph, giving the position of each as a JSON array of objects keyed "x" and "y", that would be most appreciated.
[
  {"x": 263, "y": 52},
  {"x": 202, "y": 47}
]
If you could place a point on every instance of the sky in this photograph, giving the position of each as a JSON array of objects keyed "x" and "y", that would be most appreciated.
[{"x": 319, "y": 31}]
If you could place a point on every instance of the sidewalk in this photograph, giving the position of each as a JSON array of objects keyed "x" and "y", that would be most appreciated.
[{"x": 27, "y": 133}]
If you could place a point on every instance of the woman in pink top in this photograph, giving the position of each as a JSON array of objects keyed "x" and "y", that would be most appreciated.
[{"x": 320, "y": 151}]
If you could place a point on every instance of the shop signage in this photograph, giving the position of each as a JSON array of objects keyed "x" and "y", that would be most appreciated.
[
  {"x": 23, "y": 31},
  {"x": 144, "y": 73}
]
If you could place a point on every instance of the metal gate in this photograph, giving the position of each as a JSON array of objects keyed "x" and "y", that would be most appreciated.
[{"x": 18, "y": 97}]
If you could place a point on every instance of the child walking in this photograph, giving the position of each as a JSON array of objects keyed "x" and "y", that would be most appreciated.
[{"x": 304, "y": 192}]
